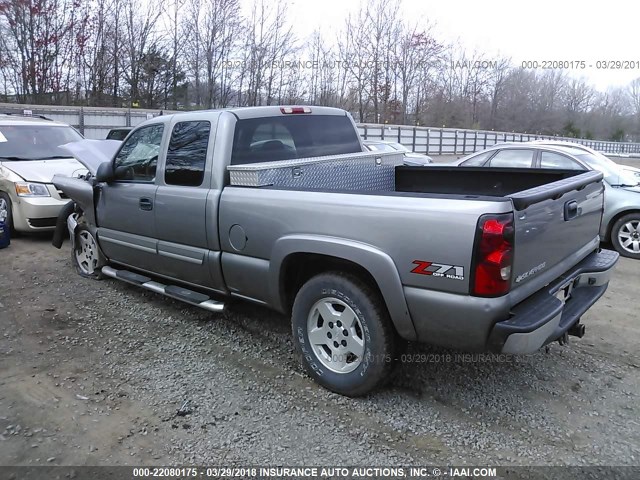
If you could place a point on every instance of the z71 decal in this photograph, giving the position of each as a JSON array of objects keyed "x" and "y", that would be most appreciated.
[{"x": 453, "y": 272}]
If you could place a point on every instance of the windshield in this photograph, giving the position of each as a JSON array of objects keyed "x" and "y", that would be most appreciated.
[
  {"x": 614, "y": 174},
  {"x": 35, "y": 142}
]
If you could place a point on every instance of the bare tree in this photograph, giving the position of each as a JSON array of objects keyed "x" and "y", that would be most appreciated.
[
  {"x": 634, "y": 95},
  {"x": 382, "y": 18},
  {"x": 173, "y": 10},
  {"x": 350, "y": 45},
  {"x": 518, "y": 89},
  {"x": 417, "y": 55},
  {"x": 216, "y": 33},
  {"x": 497, "y": 80},
  {"x": 268, "y": 42},
  {"x": 97, "y": 60},
  {"x": 38, "y": 42},
  {"x": 139, "y": 35},
  {"x": 578, "y": 96}
]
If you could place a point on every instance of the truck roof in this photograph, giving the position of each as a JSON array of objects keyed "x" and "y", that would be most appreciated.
[{"x": 264, "y": 111}]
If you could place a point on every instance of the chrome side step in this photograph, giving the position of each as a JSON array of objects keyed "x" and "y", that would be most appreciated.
[{"x": 179, "y": 293}]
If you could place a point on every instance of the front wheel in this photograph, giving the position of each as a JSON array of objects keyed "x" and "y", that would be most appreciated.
[
  {"x": 625, "y": 235},
  {"x": 85, "y": 255},
  {"x": 5, "y": 211},
  {"x": 343, "y": 332}
]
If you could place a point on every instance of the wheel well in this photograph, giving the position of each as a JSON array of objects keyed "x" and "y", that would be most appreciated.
[
  {"x": 615, "y": 219},
  {"x": 297, "y": 268},
  {"x": 5, "y": 193}
]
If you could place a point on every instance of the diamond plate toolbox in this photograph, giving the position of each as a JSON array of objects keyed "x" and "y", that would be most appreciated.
[{"x": 355, "y": 171}]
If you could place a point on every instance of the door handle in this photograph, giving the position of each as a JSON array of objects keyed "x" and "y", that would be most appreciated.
[
  {"x": 146, "y": 204},
  {"x": 570, "y": 210}
]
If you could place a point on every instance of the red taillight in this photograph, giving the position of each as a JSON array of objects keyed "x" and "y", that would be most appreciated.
[
  {"x": 295, "y": 109},
  {"x": 493, "y": 255}
]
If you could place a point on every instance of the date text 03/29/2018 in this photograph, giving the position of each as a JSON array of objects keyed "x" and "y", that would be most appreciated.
[{"x": 313, "y": 472}]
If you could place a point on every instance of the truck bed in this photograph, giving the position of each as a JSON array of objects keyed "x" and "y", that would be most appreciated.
[
  {"x": 556, "y": 226},
  {"x": 383, "y": 173}
]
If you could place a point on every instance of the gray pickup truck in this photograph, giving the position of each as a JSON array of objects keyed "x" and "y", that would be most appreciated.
[{"x": 281, "y": 206}]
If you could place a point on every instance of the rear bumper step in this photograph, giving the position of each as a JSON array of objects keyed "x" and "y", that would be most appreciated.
[
  {"x": 179, "y": 293},
  {"x": 551, "y": 313}
]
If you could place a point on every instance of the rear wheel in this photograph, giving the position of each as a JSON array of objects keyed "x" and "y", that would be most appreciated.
[
  {"x": 86, "y": 255},
  {"x": 625, "y": 235},
  {"x": 343, "y": 332}
]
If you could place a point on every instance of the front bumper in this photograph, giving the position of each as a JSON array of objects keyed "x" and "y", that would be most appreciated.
[
  {"x": 37, "y": 214},
  {"x": 549, "y": 314}
]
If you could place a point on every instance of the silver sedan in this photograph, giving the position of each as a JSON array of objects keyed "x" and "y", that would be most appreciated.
[{"x": 621, "y": 218}]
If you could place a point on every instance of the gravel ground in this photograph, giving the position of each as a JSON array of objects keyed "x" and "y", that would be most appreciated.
[{"x": 102, "y": 373}]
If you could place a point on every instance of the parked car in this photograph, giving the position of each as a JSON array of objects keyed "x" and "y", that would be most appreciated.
[
  {"x": 559, "y": 143},
  {"x": 621, "y": 219},
  {"x": 118, "y": 133},
  {"x": 29, "y": 158},
  {"x": 411, "y": 158},
  {"x": 603, "y": 158},
  {"x": 358, "y": 249}
]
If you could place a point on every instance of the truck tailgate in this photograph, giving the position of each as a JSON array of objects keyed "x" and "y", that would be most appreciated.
[{"x": 556, "y": 225}]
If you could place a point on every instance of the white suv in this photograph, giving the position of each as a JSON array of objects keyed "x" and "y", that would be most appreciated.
[{"x": 29, "y": 158}]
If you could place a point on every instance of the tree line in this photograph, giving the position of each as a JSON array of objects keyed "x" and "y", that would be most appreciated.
[{"x": 197, "y": 54}]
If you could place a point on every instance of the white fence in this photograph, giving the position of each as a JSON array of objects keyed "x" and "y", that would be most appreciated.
[
  {"x": 92, "y": 122},
  {"x": 95, "y": 122},
  {"x": 452, "y": 141}
]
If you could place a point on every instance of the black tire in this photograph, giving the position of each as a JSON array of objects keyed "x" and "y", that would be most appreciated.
[
  {"x": 621, "y": 226},
  {"x": 9, "y": 220},
  {"x": 375, "y": 328},
  {"x": 90, "y": 267}
]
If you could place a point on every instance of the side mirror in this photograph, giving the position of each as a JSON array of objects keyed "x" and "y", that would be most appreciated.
[
  {"x": 124, "y": 173},
  {"x": 105, "y": 172}
]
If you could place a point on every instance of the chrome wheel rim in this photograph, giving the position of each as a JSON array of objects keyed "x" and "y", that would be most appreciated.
[
  {"x": 629, "y": 236},
  {"x": 4, "y": 209},
  {"x": 336, "y": 335},
  {"x": 86, "y": 252}
]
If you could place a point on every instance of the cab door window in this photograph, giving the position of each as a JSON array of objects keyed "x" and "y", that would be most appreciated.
[
  {"x": 138, "y": 158},
  {"x": 187, "y": 154}
]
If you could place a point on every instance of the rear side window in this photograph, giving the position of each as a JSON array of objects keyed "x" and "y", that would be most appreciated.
[
  {"x": 117, "y": 134},
  {"x": 556, "y": 160},
  {"x": 187, "y": 154},
  {"x": 290, "y": 137},
  {"x": 478, "y": 160},
  {"x": 517, "y": 158}
]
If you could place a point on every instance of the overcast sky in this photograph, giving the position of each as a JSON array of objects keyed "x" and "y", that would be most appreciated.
[{"x": 540, "y": 30}]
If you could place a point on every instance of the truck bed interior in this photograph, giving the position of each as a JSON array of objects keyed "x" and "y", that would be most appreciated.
[{"x": 482, "y": 181}]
